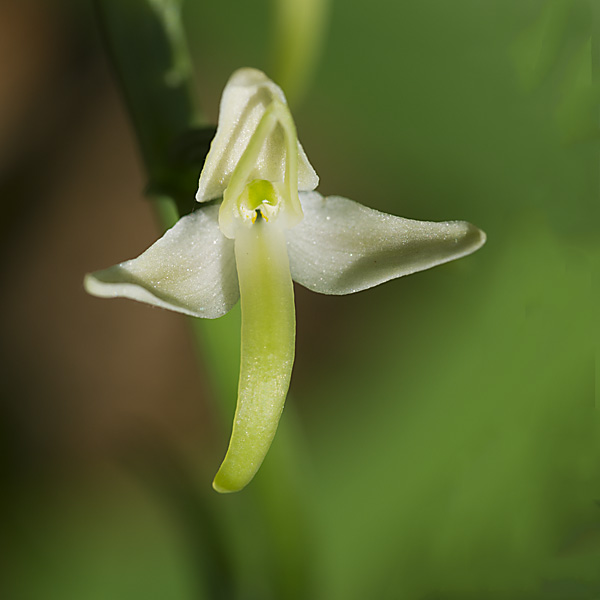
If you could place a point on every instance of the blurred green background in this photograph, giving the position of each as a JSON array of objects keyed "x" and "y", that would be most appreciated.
[{"x": 440, "y": 437}]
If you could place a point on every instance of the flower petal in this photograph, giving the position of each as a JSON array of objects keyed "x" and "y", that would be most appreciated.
[
  {"x": 245, "y": 99},
  {"x": 191, "y": 269},
  {"x": 343, "y": 247},
  {"x": 267, "y": 356}
]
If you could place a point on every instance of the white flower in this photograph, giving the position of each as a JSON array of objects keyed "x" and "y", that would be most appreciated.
[{"x": 263, "y": 234}]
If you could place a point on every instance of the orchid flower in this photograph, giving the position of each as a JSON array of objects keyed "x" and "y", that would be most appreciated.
[{"x": 268, "y": 228}]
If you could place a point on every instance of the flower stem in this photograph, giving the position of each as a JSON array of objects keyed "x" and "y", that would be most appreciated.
[{"x": 146, "y": 47}]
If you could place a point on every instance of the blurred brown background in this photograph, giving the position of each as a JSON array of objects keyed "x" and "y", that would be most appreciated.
[{"x": 72, "y": 200}]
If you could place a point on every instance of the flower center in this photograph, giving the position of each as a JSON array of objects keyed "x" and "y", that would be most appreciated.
[
  {"x": 260, "y": 197},
  {"x": 243, "y": 201}
]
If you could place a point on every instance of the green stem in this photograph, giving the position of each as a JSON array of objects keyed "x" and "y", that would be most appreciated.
[
  {"x": 299, "y": 31},
  {"x": 146, "y": 48}
]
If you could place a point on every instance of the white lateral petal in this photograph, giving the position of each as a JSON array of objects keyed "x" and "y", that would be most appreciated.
[
  {"x": 247, "y": 95},
  {"x": 341, "y": 247},
  {"x": 191, "y": 269}
]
